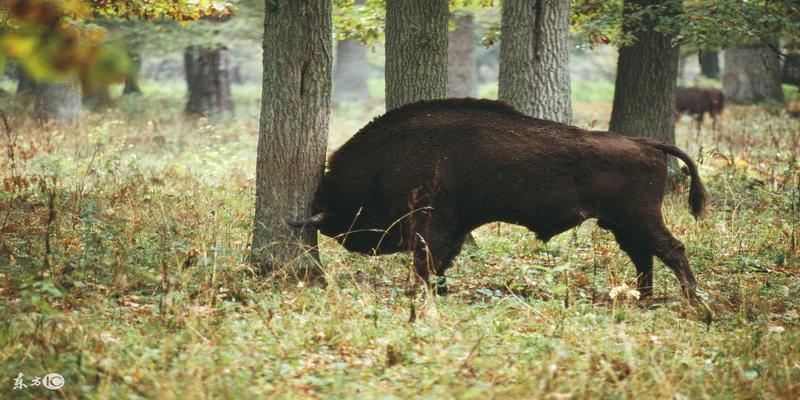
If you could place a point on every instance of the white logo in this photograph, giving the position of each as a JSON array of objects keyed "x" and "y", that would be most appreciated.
[
  {"x": 19, "y": 383},
  {"x": 53, "y": 381}
]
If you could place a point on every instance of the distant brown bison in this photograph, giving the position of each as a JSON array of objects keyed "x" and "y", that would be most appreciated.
[
  {"x": 422, "y": 176},
  {"x": 697, "y": 101}
]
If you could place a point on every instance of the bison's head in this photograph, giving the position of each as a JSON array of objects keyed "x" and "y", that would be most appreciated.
[
  {"x": 352, "y": 225},
  {"x": 355, "y": 233}
]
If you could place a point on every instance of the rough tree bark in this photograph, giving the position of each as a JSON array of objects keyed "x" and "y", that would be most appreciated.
[
  {"x": 58, "y": 102},
  {"x": 709, "y": 64},
  {"x": 534, "y": 58},
  {"x": 132, "y": 79},
  {"x": 644, "y": 95},
  {"x": 416, "y": 51},
  {"x": 350, "y": 74},
  {"x": 208, "y": 80},
  {"x": 462, "y": 68},
  {"x": 752, "y": 74},
  {"x": 293, "y": 134}
]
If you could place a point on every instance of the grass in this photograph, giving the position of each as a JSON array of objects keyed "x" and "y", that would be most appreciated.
[
  {"x": 791, "y": 92},
  {"x": 145, "y": 291}
]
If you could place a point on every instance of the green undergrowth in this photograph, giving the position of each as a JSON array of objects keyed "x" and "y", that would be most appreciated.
[{"x": 123, "y": 267}]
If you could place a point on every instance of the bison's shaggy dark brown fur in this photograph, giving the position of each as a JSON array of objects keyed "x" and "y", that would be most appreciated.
[
  {"x": 424, "y": 175},
  {"x": 697, "y": 101}
]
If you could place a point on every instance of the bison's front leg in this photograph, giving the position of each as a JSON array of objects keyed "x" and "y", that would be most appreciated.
[
  {"x": 422, "y": 259},
  {"x": 434, "y": 251},
  {"x": 427, "y": 261},
  {"x": 698, "y": 124}
]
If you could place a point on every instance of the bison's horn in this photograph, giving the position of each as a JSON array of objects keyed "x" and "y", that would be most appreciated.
[{"x": 313, "y": 221}]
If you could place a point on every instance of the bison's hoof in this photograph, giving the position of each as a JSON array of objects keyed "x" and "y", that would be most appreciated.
[{"x": 690, "y": 293}]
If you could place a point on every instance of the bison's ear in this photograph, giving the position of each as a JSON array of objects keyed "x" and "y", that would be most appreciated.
[{"x": 313, "y": 221}]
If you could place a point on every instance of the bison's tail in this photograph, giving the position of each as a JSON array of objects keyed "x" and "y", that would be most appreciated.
[{"x": 698, "y": 197}]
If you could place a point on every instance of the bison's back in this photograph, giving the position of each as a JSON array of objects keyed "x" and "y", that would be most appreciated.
[{"x": 691, "y": 100}]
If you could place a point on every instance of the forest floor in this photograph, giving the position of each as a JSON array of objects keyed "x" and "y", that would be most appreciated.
[{"x": 123, "y": 268}]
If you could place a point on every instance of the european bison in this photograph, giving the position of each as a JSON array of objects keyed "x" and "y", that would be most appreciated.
[
  {"x": 697, "y": 101},
  {"x": 422, "y": 176}
]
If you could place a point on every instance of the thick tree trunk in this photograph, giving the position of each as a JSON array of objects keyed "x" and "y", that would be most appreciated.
[
  {"x": 644, "y": 95},
  {"x": 350, "y": 74},
  {"x": 58, "y": 102},
  {"x": 517, "y": 53},
  {"x": 752, "y": 75},
  {"x": 208, "y": 80},
  {"x": 534, "y": 58},
  {"x": 709, "y": 64},
  {"x": 293, "y": 134},
  {"x": 416, "y": 51},
  {"x": 132, "y": 79},
  {"x": 462, "y": 68}
]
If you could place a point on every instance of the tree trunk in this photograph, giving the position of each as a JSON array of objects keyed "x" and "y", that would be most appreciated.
[
  {"x": 350, "y": 74},
  {"x": 26, "y": 86},
  {"x": 58, "y": 102},
  {"x": 534, "y": 58},
  {"x": 416, "y": 51},
  {"x": 132, "y": 79},
  {"x": 462, "y": 68},
  {"x": 644, "y": 95},
  {"x": 293, "y": 134},
  {"x": 752, "y": 75},
  {"x": 208, "y": 80},
  {"x": 791, "y": 69},
  {"x": 709, "y": 64}
]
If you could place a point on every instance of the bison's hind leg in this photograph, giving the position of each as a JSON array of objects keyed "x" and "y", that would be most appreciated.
[
  {"x": 642, "y": 259},
  {"x": 698, "y": 123},
  {"x": 672, "y": 252},
  {"x": 644, "y": 237}
]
